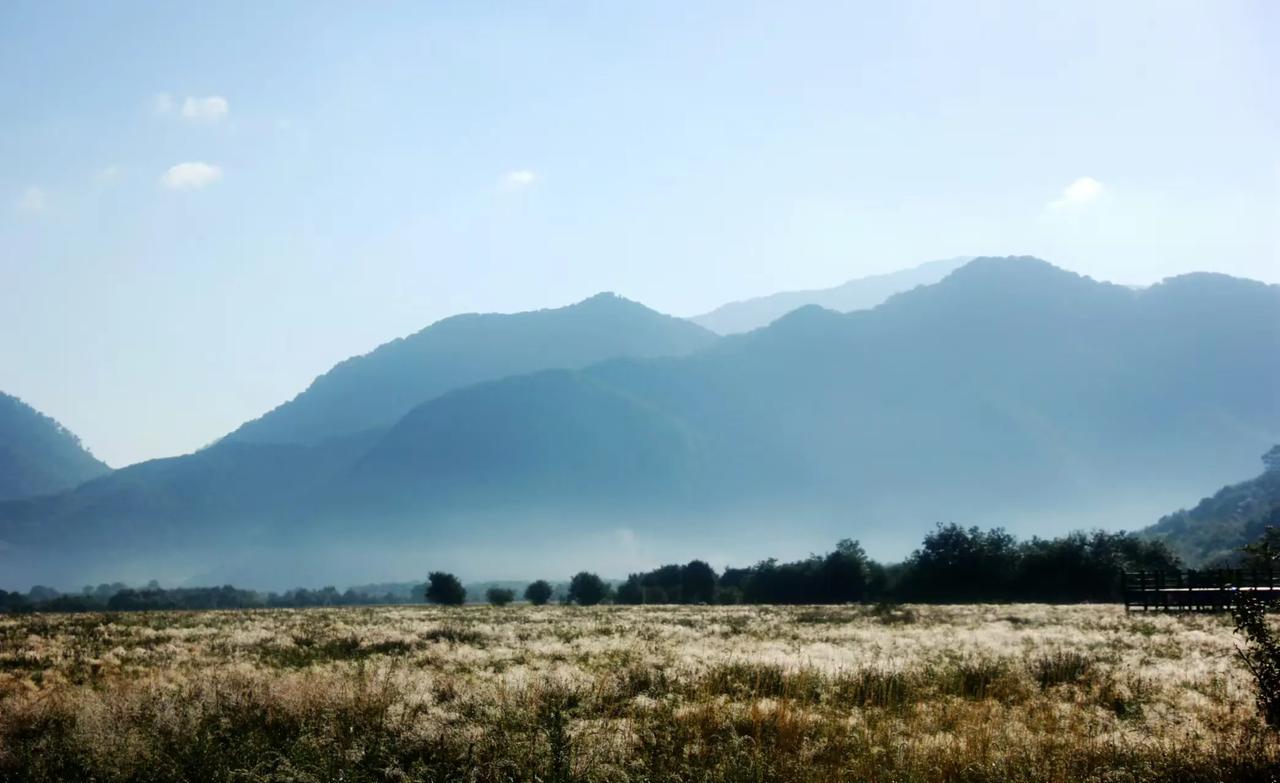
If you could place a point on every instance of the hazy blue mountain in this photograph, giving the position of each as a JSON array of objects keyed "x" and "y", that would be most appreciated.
[
  {"x": 1010, "y": 393},
  {"x": 38, "y": 456},
  {"x": 1214, "y": 530},
  {"x": 858, "y": 294},
  {"x": 374, "y": 390},
  {"x": 1011, "y": 390}
]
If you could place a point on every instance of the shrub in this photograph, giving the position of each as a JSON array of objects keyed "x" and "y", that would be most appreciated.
[
  {"x": 1261, "y": 654},
  {"x": 500, "y": 596},
  {"x": 444, "y": 588},
  {"x": 538, "y": 593},
  {"x": 587, "y": 589}
]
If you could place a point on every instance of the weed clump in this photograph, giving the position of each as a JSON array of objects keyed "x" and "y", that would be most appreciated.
[{"x": 1063, "y": 667}]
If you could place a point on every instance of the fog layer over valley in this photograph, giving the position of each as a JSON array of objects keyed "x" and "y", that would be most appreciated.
[{"x": 1009, "y": 393}]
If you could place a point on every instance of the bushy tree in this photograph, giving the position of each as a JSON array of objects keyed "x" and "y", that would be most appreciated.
[
  {"x": 630, "y": 591},
  {"x": 697, "y": 583},
  {"x": 587, "y": 589},
  {"x": 1084, "y": 567},
  {"x": 538, "y": 593},
  {"x": 500, "y": 596},
  {"x": 843, "y": 574},
  {"x": 444, "y": 588},
  {"x": 958, "y": 565},
  {"x": 13, "y": 602}
]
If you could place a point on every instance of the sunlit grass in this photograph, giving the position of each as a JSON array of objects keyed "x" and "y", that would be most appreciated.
[{"x": 1022, "y": 692}]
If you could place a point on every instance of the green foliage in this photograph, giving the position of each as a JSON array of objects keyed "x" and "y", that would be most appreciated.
[
  {"x": 444, "y": 588},
  {"x": 955, "y": 565},
  {"x": 698, "y": 583},
  {"x": 587, "y": 589},
  {"x": 500, "y": 596},
  {"x": 1260, "y": 655},
  {"x": 837, "y": 577},
  {"x": 693, "y": 583},
  {"x": 1264, "y": 554},
  {"x": 538, "y": 592}
]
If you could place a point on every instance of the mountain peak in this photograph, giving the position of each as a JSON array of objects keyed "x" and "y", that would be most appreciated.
[
  {"x": 374, "y": 390},
  {"x": 604, "y": 297},
  {"x": 1025, "y": 278},
  {"x": 1025, "y": 267},
  {"x": 608, "y": 300}
]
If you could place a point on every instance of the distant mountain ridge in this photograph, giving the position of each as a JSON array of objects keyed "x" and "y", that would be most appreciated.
[
  {"x": 374, "y": 390},
  {"x": 38, "y": 456},
  {"x": 858, "y": 294},
  {"x": 1011, "y": 392}
]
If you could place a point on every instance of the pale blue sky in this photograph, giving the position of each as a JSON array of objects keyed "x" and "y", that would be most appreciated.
[{"x": 356, "y": 171}]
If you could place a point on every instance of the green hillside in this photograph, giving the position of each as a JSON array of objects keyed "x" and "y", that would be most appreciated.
[
  {"x": 38, "y": 456},
  {"x": 1212, "y": 532}
]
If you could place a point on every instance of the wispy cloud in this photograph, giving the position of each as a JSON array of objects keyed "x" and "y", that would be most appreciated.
[
  {"x": 190, "y": 176},
  {"x": 108, "y": 174},
  {"x": 209, "y": 109},
  {"x": 1082, "y": 191},
  {"x": 517, "y": 180},
  {"x": 33, "y": 200}
]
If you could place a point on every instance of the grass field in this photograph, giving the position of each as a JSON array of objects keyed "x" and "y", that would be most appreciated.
[{"x": 976, "y": 693}]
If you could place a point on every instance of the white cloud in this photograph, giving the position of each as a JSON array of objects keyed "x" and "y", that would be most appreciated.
[
  {"x": 108, "y": 174},
  {"x": 190, "y": 176},
  {"x": 210, "y": 109},
  {"x": 192, "y": 109},
  {"x": 516, "y": 180},
  {"x": 32, "y": 200},
  {"x": 1080, "y": 192}
]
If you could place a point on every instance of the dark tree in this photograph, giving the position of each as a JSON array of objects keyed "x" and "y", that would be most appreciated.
[
  {"x": 955, "y": 565},
  {"x": 843, "y": 574},
  {"x": 538, "y": 593},
  {"x": 444, "y": 588},
  {"x": 587, "y": 589},
  {"x": 631, "y": 591},
  {"x": 697, "y": 583},
  {"x": 500, "y": 596}
]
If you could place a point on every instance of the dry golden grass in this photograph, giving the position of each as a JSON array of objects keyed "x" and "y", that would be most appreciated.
[{"x": 977, "y": 693}]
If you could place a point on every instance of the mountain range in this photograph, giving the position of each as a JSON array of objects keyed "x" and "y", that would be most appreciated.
[
  {"x": 859, "y": 294},
  {"x": 375, "y": 390},
  {"x": 1009, "y": 393}
]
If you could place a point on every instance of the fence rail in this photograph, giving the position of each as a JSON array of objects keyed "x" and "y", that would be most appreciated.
[{"x": 1196, "y": 591}]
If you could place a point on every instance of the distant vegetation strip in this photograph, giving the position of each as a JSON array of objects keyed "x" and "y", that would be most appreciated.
[{"x": 953, "y": 565}]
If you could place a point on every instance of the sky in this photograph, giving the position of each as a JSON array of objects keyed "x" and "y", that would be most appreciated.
[{"x": 205, "y": 205}]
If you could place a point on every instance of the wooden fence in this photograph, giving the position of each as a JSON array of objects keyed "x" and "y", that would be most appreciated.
[{"x": 1196, "y": 591}]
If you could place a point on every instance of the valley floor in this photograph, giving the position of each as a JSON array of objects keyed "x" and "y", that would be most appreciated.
[{"x": 921, "y": 693}]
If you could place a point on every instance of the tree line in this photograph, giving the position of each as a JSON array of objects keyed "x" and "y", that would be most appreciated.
[
  {"x": 118, "y": 597},
  {"x": 953, "y": 565}
]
